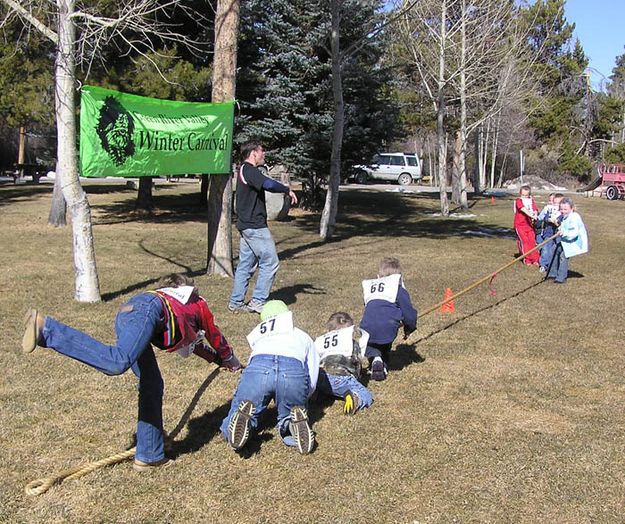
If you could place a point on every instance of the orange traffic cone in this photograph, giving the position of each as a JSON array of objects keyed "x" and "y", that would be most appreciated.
[
  {"x": 448, "y": 306},
  {"x": 492, "y": 200}
]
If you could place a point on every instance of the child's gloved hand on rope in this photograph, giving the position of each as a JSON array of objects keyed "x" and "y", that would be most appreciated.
[{"x": 231, "y": 363}]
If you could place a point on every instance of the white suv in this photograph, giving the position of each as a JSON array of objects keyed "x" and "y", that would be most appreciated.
[{"x": 403, "y": 168}]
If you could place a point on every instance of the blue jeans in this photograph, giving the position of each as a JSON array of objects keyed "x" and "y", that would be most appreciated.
[
  {"x": 268, "y": 377},
  {"x": 339, "y": 385},
  {"x": 560, "y": 265},
  {"x": 256, "y": 248},
  {"x": 135, "y": 325},
  {"x": 547, "y": 251}
]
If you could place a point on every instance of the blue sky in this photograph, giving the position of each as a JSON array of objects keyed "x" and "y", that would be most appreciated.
[{"x": 600, "y": 26}]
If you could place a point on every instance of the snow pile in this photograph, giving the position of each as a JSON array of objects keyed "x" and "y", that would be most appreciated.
[{"x": 535, "y": 182}]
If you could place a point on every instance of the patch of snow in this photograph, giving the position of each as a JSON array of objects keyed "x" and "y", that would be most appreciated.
[
  {"x": 499, "y": 232},
  {"x": 535, "y": 182},
  {"x": 454, "y": 215},
  {"x": 400, "y": 190}
]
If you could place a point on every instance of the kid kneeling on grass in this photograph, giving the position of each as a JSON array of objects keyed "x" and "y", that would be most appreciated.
[
  {"x": 283, "y": 366},
  {"x": 174, "y": 318},
  {"x": 387, "y": 306},
  {"x": 341, "y": 351}
]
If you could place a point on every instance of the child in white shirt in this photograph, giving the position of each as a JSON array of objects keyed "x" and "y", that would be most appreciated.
[
  {"x": 283, "y": 366},
  {"x": 342, "y": 354}
]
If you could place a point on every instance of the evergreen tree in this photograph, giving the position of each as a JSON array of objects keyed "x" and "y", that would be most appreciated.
[
  {"x": 286, "y": 93},
  {"x": 616, "y": 93},
  {"x": 562, "y": 122},
  {"x": 26, "y": 87}
]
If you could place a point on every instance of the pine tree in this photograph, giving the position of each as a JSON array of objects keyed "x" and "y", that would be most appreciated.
[
  {"x": 560, "y": 123},
  {"x": 285, "y": 89}
]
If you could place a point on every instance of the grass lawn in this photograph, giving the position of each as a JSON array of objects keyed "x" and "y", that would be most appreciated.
[{"x": 511, "y": 409}]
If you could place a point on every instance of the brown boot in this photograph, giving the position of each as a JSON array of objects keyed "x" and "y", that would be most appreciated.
[
  {"x": 141, "y": 466},
  {"x": 33, "y": 324}
]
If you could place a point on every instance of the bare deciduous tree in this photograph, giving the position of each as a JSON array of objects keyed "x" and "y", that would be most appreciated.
[
  {"x": 79, "y": 34},
  {"x": 220, "y": 187}
]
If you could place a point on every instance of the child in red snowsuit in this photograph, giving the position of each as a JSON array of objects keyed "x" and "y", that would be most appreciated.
[{"x": 525, "y": 213}]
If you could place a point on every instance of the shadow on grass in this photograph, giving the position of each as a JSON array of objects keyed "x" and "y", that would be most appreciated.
[
  {"x": 12, "y": 194},
  {"x": 166, "y": 208},
  {"x": 478, "y": 311},
  {"x": 403, "y": 356},
  {"x": 201, "y": 430},
  {"x": 106, "y": 297},
  {"x": 289, "y": 294},
  {"x": 361, "y": 213}
]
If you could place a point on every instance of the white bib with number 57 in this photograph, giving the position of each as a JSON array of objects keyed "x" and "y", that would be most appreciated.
[
  {"x": 280, "y": 324},
  {"x": 384, "y": 288}
]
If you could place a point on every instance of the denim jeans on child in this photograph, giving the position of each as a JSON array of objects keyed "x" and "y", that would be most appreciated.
[
  {"x": 547, "y": 251},
  {"x": 559, "y": 269},
  {"x": 135, "y": 325},
  {"x": 339, "y": 385},
  {"x": 256, "y": 248},
  {"x": 267, "y": 377}
]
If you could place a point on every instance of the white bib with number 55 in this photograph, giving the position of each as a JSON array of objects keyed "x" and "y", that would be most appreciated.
[
  {"x": 338, "y": 342},
  {"x": 278, "y": 325},
  {"x": 384, "y": 288}
]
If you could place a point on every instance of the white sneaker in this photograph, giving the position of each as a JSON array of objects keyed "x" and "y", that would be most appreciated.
[{"x": 378, "y": 369}]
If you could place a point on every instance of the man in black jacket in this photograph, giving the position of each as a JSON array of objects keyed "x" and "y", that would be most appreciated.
[{"x": 257, "y": 247}]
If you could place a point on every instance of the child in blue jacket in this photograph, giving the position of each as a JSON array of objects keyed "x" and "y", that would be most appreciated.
[{"x": 387, "y": 307}]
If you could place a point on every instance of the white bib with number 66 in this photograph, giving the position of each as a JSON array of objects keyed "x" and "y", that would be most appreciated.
[
  {"x": 384, "y": 288},
  {"x": 278, "y": 325}
]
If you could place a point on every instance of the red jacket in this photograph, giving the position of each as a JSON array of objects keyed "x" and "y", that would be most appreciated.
[
  {"x": 520, "y": 218},
  {"x": 182, "y": 323}
]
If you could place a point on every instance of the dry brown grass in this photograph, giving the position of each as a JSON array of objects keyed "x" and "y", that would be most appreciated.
[{"x": 509, "y": 410}]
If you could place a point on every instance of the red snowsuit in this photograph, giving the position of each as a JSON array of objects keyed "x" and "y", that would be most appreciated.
[{"x": 525, "y": 231}]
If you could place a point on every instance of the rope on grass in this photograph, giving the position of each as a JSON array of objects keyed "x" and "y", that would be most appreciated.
[
  {"x": 39, "y": 486},
  {"x": 488, "y": 277}
]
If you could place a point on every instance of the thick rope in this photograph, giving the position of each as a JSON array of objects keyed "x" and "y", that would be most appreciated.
[
  {"x": 39, "y": 486},
  {"x": 486, "y": 278}
]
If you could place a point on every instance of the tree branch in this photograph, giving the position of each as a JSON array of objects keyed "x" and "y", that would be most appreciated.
[{"x": 32, "y": 20}]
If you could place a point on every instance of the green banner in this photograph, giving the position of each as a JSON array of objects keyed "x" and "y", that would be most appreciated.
[{"x": 130, "y": 136}]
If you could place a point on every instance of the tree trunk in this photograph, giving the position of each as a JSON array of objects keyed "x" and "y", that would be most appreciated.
[
  {"x": 455, "y": 169},
  {"x": 204, "y": 182},
  {"x": 21, "y": 152},
  {"x": 220, "y": 188},
  {"x": 462, "y": 153},
  {"x": 477, "y": 181},
  {"x": 330, "y": 209},
  {"x": 144, "y": 195},
  {"x": 440, "y": 116},
  {"x": 58, "y": 208},
  {"x": 493, "y": 156},
  {"x": 86, "y": 275}
]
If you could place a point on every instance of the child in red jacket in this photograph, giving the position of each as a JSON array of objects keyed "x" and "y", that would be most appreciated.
[
  {"x": 525, "y": 213},
  {"x": 174, "y": 318}
]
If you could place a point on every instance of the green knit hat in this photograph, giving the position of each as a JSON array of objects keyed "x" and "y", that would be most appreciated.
[{"x": 273, "y": 308}]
